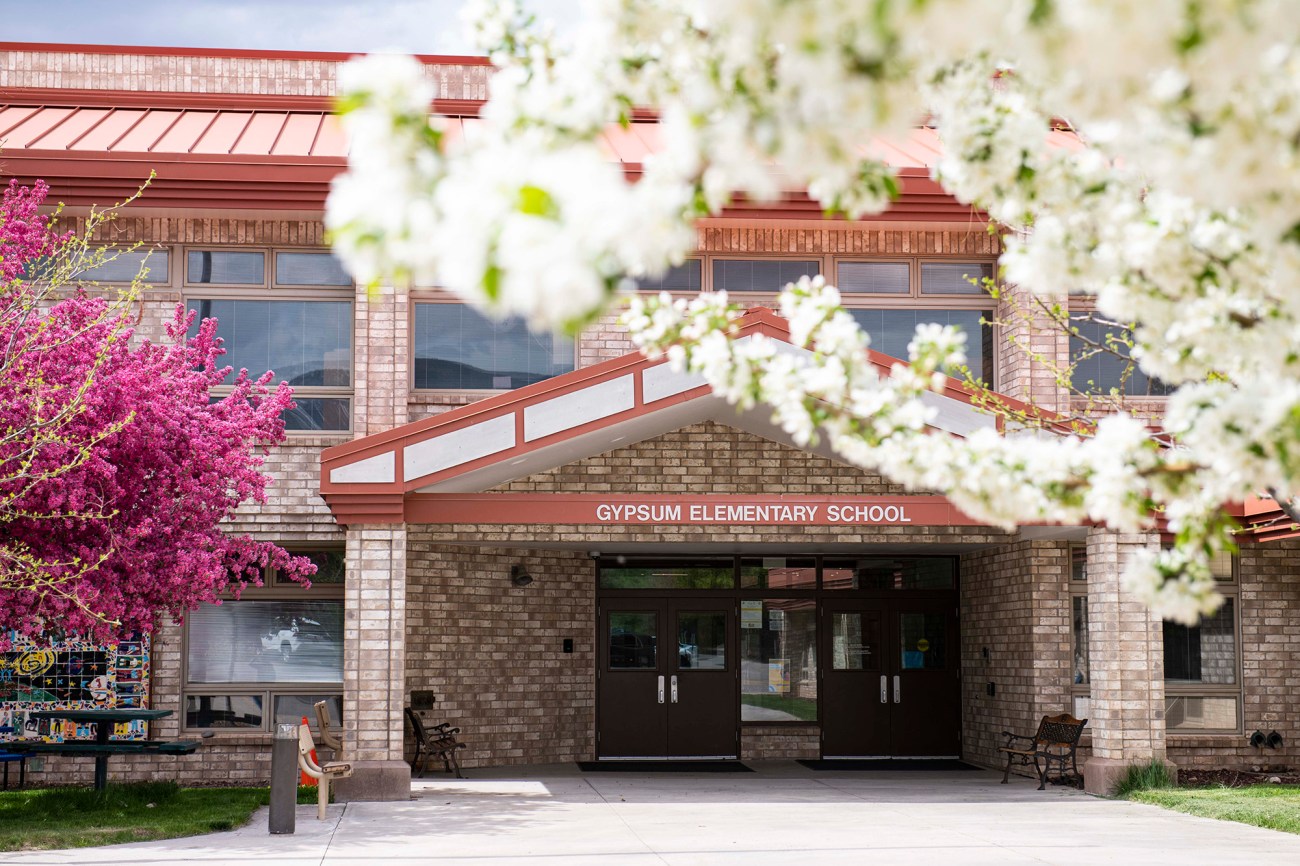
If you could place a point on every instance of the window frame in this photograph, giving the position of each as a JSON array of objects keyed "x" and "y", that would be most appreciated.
[
  {"x": 915, "y": 299},
  {"x": 272, "y": 589},
  {"x": 168, "y": 279},
  {"x": 1230, "y": 589},
  {"x": 1078, "y": 589},
  {"x": 439, "y": 296},
  {"x": 268, "y": 290}
]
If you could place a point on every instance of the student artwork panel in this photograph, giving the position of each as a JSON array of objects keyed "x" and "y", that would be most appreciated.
[{"x": 72, "y": 674}]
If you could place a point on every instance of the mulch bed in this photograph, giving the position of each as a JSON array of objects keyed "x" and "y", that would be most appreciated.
[{"x": 1234, "y": 778}]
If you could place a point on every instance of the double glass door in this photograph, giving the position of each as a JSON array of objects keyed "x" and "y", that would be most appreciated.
[
  {"x": 890, "y": 685},
  {"x": 667, "y": 678}
]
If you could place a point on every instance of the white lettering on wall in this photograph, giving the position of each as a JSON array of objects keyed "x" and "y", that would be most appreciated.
[{"x": 750, "y": 513}]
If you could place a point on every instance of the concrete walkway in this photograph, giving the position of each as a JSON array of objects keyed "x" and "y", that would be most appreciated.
[{"x": 782, "y": 814}]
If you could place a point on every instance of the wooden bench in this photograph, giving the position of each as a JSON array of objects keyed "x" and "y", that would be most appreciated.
[
  {"x": 439, "y": 740},
  {"x": 322, "y": 773},
  {"x": 1054, "y": 744},
  {"x": 328, "y": 738}
]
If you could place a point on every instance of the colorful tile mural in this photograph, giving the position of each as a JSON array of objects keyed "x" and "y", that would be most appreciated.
[{"x": 72, "y": 674}]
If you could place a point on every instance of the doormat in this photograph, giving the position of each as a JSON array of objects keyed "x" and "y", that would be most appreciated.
[
  {"x": 934, "y": 765},
  {"x": 663, "y": 767}
]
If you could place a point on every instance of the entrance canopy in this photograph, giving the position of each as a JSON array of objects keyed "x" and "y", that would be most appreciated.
[{"x": 437, "y": 470}]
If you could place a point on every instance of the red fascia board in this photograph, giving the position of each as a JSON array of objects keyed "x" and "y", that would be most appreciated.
[{"x": 251, "y": 53}]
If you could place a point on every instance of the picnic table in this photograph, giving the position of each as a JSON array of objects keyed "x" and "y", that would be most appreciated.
[{"x": 101, "y": 748}]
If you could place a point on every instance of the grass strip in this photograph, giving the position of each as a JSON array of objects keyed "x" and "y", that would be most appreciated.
[
  {"x": 44, "y": 818},
  {"x": 1275, "y": 807}
]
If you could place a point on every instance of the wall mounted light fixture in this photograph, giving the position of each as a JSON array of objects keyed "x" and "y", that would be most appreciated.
[{"x": 519, "y": 577}]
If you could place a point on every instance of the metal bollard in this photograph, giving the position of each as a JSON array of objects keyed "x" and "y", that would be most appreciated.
[{"x": 284, "y": 779}]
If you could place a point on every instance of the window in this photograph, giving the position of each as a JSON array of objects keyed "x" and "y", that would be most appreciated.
[
  {"x": 686, "y": 277},
  {"x": 1203, "y": 665},
  {"x": 225, "y": 267},
  {"x": 669, "y": 574},
  {"x": 269, "y": 655},
  {"x": 955, "y": 278},
  {"x": 457, "y": 348},
  {"x": 778, "y": 651},
  {"x": 892, "y": 330},
  {"x": 768, "y": 276},
  {"x": 927, "y": 572},
  {"x": 309, "y": 269},
  {"x": 875, "y": 278},
  {"x": 124, "y": 266},
  {"x": 306, "y": 343},
  {"x": 268, "y": 322},
  {"x": 1080, "y": 676},
  {"x": 1109, "y": 368}
]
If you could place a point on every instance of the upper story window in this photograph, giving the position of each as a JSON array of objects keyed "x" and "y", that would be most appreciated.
[
  {"x": 268, "y": 322},
  {"x": 458, "y": 348},
  {"x": 761, "y": 275},
  {"x": 124, "y": 266},
  {"x": 686, "y": 277},
  {"x": 1103, "y": 363},
  {"x": 225, "y": 268}
]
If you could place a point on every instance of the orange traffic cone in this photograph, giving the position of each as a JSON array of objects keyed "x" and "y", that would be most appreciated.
[{"x": 305, "y": 779}]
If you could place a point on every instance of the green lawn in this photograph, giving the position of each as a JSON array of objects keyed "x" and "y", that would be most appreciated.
[
  {"x": 803, "y": 709},
  {"x": 1276, "y": 807},
  {"x": 33, "y": 819}
]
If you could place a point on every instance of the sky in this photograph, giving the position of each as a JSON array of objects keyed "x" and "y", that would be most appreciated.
[{"x": 414, "y": 26}]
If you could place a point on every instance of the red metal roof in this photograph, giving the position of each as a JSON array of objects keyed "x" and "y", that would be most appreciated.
[{"x": 224, "y": 150}]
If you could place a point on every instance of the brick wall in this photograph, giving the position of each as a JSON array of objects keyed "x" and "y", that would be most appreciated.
[
  {"x": 492, "y": 652},
  {"x": 1015, "y": 604},
  {"x": 1270, "y": 666},
  {"x": 707, "y": 458},
  {"x": 138, "y": 69}
]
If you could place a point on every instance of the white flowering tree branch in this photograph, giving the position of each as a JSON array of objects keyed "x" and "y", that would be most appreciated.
[{"x": 1177, "y": 209}]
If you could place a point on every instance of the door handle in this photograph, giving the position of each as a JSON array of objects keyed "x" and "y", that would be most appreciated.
[
  {"x": 661, "y": 688},
  {"x": 884, "y": 689},
  {"x": 674, "y": 688},
  {"x": 898, "y": 691}
]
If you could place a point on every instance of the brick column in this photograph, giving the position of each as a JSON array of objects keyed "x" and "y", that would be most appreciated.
[
  {"x": 374, "y": 664},
  {"x": 1126, "y": 659},
  {"x": 381, "y": 360},
  {"x": 1027, "y": 332}
]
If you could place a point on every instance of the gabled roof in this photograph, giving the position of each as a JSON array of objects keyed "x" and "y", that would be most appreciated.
[{"x": 561, "y": 420}]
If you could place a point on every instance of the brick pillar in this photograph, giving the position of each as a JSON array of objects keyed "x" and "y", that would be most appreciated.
[
  {"x": 1126, "y": 658},
  {"x": 374, "y": 664},
  {"x": 381, "y": 363},
  {"x": 1026, "y": 333}
]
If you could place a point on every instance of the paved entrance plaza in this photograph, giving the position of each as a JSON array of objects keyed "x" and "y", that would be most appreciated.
[{"x": 781, "y": 814}]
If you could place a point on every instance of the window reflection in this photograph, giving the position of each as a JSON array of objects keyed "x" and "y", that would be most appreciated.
[{"x": 778, "y": 668}]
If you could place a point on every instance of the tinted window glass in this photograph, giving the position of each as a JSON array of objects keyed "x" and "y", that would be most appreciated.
[
  {"x": 457, "y": 347},
  {"x": 226, "y": 267},
  {"x": 701, "y": 641},
  {"x": 310, "y": 269},
  {"x": 954, "y": 278},
  {"x": 889, "y": 573},
  {"x": 778, "y": 669},
  {"x": 679, "y": 278},
  {"x": 319, "y": 413},
  {"x": 759, "y": 275},
  {"x": 775, "y": 572},
  {"x": 306, "y": 343},
  {"x": 1110, "y": 368},
  {"x": 125, "y": 266},
  {"x": 892, "y": 330},
  {"x": 223, "y": 711},
  {"x": 668, "y": 575},
  {"x": 874, "y": 278},
  {"x": 266, "y": 642},
  {"x": 1206, "y": 653},
  {"x": 633, "y": 639}
]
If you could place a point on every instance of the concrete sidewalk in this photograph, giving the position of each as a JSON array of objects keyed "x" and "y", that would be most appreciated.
[{"x": 782, "y": 814}]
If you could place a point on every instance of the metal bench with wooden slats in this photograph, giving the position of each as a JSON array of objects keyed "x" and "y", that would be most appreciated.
[
  {"x": 436, "y": 740},
  {"x": 1054, "y": 744}
]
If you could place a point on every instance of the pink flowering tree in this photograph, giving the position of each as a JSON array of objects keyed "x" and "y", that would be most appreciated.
[{"x": 117, "y": 467}]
